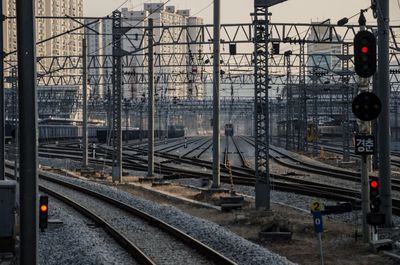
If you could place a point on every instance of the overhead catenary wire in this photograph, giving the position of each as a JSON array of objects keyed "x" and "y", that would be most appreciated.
[{"x": 140, "y": 21}]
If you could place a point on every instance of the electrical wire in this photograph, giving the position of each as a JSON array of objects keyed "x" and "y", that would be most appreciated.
[
  {"x": 204, "y": 8},
  {"x": 140, "y": 21},
  {"x": 312, "y": 44}
]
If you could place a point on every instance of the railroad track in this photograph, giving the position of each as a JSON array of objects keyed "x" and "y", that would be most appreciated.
[
  {"x": 195, "y": 148},
  {"x": 242, "y": 176},
  {"x": 337, "y": 150},
  {"x": 245, "y": 163},
  {"x": 129, "y": 226},
  {"x": 298, "y": 164}
]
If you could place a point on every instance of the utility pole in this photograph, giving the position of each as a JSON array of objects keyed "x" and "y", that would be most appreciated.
[
  {"x": 14, "y": 89},
  {"x": 375, "y": 158},
  {"x": 2, "y": 109},
  {"x": 159, "y": 119},
  {"x": 384, "y": 119},
  {"x": 150, "y": 152},
  {"x": 84, "y": 110},
  {"x": 216, "y": 101},
  {"x": 141, "y": 122},
  {"x": 28, "y": 128}
]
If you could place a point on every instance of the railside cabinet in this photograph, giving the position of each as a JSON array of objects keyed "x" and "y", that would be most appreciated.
[{"x": 7, "y": 215}]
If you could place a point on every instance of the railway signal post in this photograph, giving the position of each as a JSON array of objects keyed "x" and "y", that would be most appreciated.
[
  {"x": 366, "y": 107},
  {"x": 384, "y": 121}
]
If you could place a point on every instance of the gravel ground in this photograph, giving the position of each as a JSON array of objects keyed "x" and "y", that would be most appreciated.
[
  {"x": 291, "y": 199},
  {"x": 159, "y": 246},
  {"x": 76, "y": 242},
  {"x": 238, "y": 249}
]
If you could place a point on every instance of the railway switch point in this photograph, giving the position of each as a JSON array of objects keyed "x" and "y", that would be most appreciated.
[
  {"x": 150, "y": 179},
  {"x": 161, "y": 182},
  {"x": 88, "y": 172},
  {"x": 205, "y": 182},
  {"x": 382, "y": 244},
  {"x": 275, "y": 232},
  {"x": 232, "y": 202},
  {"x": 55, "y": 223}
]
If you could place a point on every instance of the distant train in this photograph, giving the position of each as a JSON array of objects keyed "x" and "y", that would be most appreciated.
[
  {"x": 229, "y": 129},
  {"x": 53, "y": 132},
  {"x": 323, "y": 131}
]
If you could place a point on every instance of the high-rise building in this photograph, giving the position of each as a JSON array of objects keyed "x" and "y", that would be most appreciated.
[
  {"x": 324, "y": 55},
  {"x": 94, "y": 47},
  {"x": 65, "y": 45},
  {"x": 183, "y": 59}
]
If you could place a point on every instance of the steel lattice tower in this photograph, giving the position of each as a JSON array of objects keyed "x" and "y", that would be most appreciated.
[
  {"x": 302, "y": 144},
  {"x": 261, "y": 111},
  {"x": 116, "y": 132},
  {"x": 346, "y": 104}
]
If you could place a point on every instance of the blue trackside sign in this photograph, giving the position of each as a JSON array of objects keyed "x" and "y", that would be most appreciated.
[{"x": 318, "y": 228}]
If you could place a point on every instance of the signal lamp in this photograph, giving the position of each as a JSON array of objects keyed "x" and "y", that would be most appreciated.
[
  {"x": 43, "y": 211},
  {"x": 374, "y": 184},
  {"x": 374, "y": 197},
  {"x": 365, "y": 53}
]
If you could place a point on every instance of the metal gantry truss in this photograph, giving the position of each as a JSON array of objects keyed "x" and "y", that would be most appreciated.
[
  {"x": 261, "y": 108},
  {"x": 49, "y": 68},
  {"x": 237, "y": 68}
]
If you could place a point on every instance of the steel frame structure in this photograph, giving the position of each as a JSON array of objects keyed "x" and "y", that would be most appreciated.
[{"x": 261, "y": 107}]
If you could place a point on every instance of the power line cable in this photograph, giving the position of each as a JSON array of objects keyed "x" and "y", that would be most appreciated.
[
  {"x": 140, "y": 21},
  {"x": 204, "y": 8}
]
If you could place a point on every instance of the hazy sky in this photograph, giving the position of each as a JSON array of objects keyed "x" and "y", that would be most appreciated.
[{"x": 238, "y": 10}]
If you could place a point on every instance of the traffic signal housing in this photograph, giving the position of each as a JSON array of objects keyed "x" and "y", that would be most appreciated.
[
  {"x": 374, "y": 198},
  {"x": 365, "y": 54},
  {"x": 43, "y": 211},
  {"x": 375, "y": 217}
]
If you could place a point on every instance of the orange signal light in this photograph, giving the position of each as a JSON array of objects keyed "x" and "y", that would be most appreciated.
[{"x": 43, "y": 208}]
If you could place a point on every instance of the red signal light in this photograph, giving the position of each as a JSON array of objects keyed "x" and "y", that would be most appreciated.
[
  {"x": 364, "y": 49},
  {"x": 374, "y": 184},
  {"x": 43, "y": 208}
]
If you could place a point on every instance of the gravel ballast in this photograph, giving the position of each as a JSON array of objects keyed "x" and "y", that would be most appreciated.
[
  {"x": 76, "y": 241},
  {"x": 161, "y": 247},
  {"x": 217, "y": 237}
]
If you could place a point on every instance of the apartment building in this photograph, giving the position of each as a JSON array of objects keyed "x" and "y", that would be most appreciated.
[
  {"x": 68, "y": 44},
  {"x": 176, "y": 60}
]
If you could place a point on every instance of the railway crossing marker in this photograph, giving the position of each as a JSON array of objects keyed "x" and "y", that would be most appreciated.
[{"x": 318, "y": 226}]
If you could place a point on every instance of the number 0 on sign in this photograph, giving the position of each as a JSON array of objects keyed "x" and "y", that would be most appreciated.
[{"x": 318, "y": 227}]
